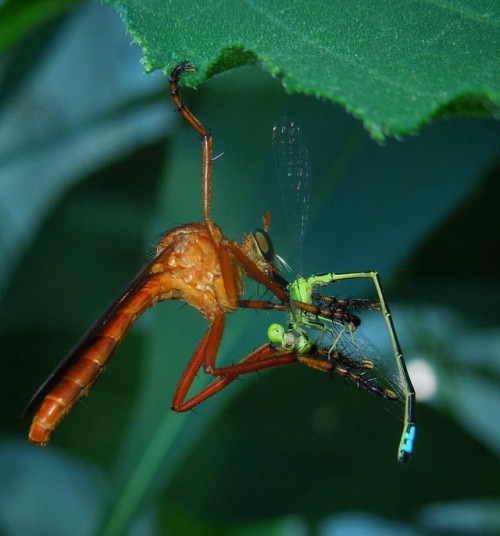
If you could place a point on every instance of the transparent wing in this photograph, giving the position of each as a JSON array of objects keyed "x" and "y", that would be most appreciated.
[
  {"x": 291, "y": 157},
  {"x": 356, "y": 357}
]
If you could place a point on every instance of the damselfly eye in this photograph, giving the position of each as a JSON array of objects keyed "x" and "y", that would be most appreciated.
[{"x": 264, "y": 245}]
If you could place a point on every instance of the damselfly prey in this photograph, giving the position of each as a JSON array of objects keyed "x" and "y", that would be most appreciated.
[{"x": 328, "y": 332}]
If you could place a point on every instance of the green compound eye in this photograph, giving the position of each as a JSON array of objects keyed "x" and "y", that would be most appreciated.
[
  {"x": 290, "y": 340},
  {"x": 275, "y": 333},
  {"x": 265, "y": 244}
]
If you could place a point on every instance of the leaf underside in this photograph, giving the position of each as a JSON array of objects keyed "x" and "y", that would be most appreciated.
[{"x": 394, "y": 65}]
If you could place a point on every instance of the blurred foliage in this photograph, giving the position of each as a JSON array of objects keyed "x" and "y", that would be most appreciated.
[
  {"x": 19, "y": 18},
  {"x": 93, "y": 170}
]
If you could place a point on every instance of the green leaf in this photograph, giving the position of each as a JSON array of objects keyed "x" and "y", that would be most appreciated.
[{"x": 393, "y": 65}]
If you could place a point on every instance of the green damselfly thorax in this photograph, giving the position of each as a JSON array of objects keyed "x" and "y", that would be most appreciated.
[{"x": 328, "y": 336}]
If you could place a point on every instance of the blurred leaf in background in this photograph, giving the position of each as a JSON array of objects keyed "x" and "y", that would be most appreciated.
[{"x": 94, "y": 166}]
